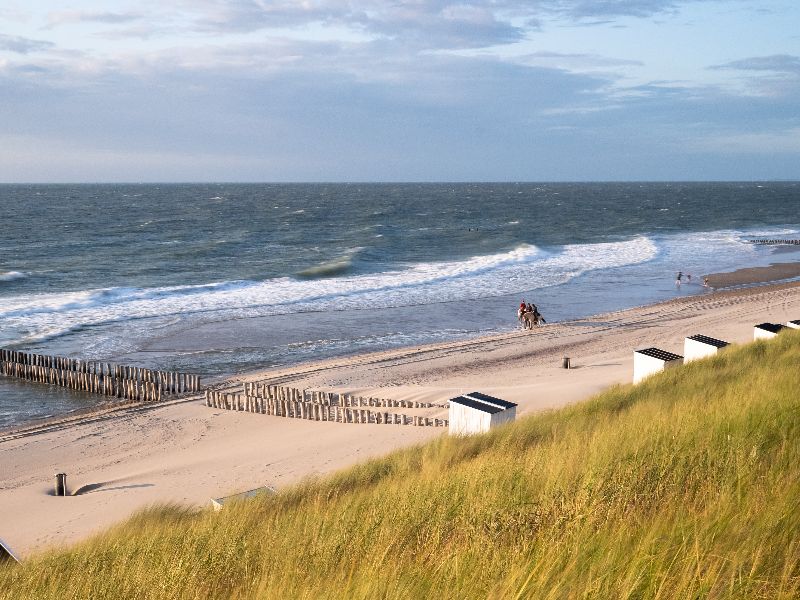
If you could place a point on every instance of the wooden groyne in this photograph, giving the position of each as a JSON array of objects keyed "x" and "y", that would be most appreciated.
[
  {"x": 776, "y": 242},
  {"x": 278, "y": 392},
  {"x": 106, "y": 379},
  {"x": 294, "y": 403}
]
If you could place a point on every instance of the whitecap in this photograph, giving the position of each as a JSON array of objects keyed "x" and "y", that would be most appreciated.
[{"x": 12, "y": 275}]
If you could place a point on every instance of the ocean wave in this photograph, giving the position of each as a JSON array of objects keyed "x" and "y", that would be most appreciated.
[
  {"x": 330, "y": 268},
  {"x": 12, "y": 275},
  {"x": 523, "y": 268},
  {"x": 330, "y": 285}
]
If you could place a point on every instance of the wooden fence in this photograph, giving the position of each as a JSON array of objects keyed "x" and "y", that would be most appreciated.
[
  {"x": 319, "y": 406},
  {"x": 119, "y": 381}
]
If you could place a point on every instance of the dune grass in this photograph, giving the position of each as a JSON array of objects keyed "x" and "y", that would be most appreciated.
[{"x": 685, "y": 486}]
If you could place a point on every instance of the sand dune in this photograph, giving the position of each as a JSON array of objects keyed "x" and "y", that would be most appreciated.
[{"x": 185, "y": 452}]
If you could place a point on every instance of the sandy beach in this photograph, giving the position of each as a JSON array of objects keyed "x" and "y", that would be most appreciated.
[{"x": 187, "y": 453}]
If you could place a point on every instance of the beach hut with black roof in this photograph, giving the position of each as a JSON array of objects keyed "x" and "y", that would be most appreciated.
[
  {"x": 653, "y": 360},
  {"x": 766, "y": 331},
  {"x": 700, "y": 346},
  {"x": 477, "y": 412},
  {"x": 793, "y": 324}
]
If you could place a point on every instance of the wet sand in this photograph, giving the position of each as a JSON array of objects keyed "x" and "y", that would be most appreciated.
[{"x": 774, "y": 272}]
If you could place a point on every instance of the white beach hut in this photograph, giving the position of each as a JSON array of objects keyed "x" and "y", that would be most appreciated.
[
  {"x": 653, "y": 360},
  {"x": 700, "y": 346},
  {"x": 793, "y": 324},
  {"x": 766, "y": 331},
  {"x": 476, "y": 412}
]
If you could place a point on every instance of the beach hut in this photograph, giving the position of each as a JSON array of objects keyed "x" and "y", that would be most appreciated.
[
  {"x": 6, "y": 554},
  {"x": 766, "y": 331},
  {"x": 476, "y": 412},
  {"x": 218, "y": 503},
  {"x": 653, "y": 360},
  {"x": 793, "y": 324},
  {"x": 700, "y": 346}
]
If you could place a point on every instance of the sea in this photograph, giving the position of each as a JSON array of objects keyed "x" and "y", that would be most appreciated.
[{"x": 217, "y": 279}]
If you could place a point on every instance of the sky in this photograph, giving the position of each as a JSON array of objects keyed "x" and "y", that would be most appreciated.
[{"x": 385, "y": 90}]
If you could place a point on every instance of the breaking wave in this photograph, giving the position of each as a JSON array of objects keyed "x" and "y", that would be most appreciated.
[
  {"x": 44, "y": 316},
  {"x": 11, "y": 275}
]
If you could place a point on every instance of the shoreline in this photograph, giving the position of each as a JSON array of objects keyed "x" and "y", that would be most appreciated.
[
  {"x": 187, "y": 453},
  {"x": 776, "y": 274},
  {"x": 296, "y": 371}
]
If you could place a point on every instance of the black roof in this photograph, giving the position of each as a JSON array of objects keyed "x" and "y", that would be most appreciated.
[
  {"x": 773, "y": 327},
  {"x": 659, "y": 354},
  {"x": 476, "y": 404},
  {"x": 704, "y": 339},
  {"x": 796, "y": 321},
  {"x": 504, "y": 404}
]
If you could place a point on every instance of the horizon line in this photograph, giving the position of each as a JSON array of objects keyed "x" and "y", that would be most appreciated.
[{"x": 400, "y": 182}]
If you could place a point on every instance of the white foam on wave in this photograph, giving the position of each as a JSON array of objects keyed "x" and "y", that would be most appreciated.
[
  {"x": 524, "y": 268},
  {"x": 715, "y": 251},
  {"x": 11, "y": 275}
]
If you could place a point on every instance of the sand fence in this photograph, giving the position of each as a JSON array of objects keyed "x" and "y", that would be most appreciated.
[
  {"x": 93, "y": 377},
  {"x": 314, "y": 405}
]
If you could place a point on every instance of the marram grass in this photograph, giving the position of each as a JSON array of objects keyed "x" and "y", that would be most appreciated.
[{"x": 686, "y": 486}]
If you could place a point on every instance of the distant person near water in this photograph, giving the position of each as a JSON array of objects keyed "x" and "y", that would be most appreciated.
[{"x": 678, "y": 279}]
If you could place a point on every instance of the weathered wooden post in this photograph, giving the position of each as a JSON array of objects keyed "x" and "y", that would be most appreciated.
[{"x": 61, "y": 484}]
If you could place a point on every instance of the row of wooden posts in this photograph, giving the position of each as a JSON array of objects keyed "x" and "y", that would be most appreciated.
[
  {"x": 277, "y": 392},
  {"x": 776, "y": 242},
  {"x": 119, "y": 381},
  {"x": 296, "y": 408}
]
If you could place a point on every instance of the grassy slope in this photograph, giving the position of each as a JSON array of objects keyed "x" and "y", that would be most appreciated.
[{"x": 685, "y": 486}]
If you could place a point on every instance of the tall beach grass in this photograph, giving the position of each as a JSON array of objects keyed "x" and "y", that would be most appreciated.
[{"x": 685, "y": 486}]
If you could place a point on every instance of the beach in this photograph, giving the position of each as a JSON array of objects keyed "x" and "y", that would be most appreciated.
[
  {"x": 187, "y": 453},
  {"x": 255, "y": 275}
]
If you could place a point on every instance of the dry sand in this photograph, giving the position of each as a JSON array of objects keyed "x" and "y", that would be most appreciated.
[{"x": 187, "y": 453}]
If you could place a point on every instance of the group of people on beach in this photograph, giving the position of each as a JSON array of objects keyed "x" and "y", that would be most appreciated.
[{"x": 528, "y": 314}]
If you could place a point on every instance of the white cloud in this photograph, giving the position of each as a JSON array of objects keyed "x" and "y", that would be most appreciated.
[
  {"x": 21, "y": 45},
  {"x": 65, "y": 17}
]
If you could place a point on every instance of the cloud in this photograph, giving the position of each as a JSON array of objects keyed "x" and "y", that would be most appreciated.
[
  {"x": 599, "y": 11},
  {"x": 374, "y": 90},
  {"x": 576, "y": 62},
  {"x": 21, "y": 45},
  {"x": 778, "y": 63},
  {"x": 433, "y": 24},
  {"x": 57, "y": 18},
  {"x": 776, "y": 76}
]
